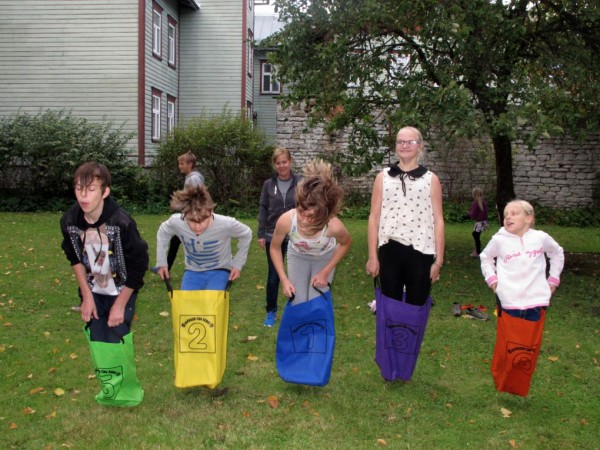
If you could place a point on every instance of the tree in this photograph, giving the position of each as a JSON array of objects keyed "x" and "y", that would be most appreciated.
[
  {"x": 233, "y": 156},
  {"x": 504, "y": 70}
]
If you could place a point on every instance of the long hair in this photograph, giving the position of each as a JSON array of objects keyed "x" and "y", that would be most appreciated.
[
  {"x": 478, "y": 196},
  {"x": 319, "y": 192},
  {"x": 195, "y": 202}
]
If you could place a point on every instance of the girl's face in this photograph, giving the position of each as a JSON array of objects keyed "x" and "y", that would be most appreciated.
[
  {"x": 516, "y": 221},
  {"x": 199, "y": 223},
  {"x": 408, "y": 145},
  {"x": 283, "y": 167},
  {"x": 306, "y": 216}
]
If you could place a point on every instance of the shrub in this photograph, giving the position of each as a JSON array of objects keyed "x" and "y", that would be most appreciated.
[
  {"x": 40, "y": 153},
  {"x": 233, "y": 157}
]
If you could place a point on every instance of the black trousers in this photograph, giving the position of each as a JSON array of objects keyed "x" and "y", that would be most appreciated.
[
  {"x": 401, "y": 268},
  {"x": 99, "y": 329}
]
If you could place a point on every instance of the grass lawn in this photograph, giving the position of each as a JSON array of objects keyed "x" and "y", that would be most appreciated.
[{"x": 48, "y": 387}]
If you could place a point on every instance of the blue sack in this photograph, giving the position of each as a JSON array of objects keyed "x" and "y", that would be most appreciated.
[
  {"x": 399, "y": 334},
  {"x": 305, "y": 341}
]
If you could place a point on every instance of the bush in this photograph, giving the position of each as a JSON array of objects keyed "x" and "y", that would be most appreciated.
[
  {"x": 40, "y": 153},
  {"x": 233, "y": 157}
]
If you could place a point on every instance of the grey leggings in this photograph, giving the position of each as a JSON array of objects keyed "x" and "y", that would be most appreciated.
[{"x": 302, "y": 268}]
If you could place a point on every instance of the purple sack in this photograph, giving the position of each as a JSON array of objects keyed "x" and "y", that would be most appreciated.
[{"x": 398, "y": 335}]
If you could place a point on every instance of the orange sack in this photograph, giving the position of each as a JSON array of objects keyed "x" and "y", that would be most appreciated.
[{"x": 518, "y": 343}]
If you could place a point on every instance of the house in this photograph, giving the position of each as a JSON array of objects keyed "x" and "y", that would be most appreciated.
[
  {"x": 266, "y": 86},
  {"x": 146, "y": 64}
]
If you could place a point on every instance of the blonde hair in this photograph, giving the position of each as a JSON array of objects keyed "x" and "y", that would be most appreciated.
[
  {"x": 525, "y": 206},
  {"x": 188, "y": 157},
  {"x": 319, "y": 191},
  {"x": 414, "y": 130},
  {"x": 478, "y": 196},
  {"x": 192, "y": 201},
  {"x": 280, "y": 151}
]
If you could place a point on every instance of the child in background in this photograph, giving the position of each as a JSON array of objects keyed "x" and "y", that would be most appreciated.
[
  {"x": 514, "y": 266},
  {"x": 479, "y": 213},
  {"x": 318, "y": 240}
]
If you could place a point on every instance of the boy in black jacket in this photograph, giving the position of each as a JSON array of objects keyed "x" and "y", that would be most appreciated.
[{"x": 108, "y": 255}]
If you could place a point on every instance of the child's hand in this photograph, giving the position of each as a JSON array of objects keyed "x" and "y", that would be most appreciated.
[
  {"x": 234, "y": 274},
  {"x": 88, "y": 309},
  {"x": 287, "y": 288},
  {"x": 319, "y": 280},
  {"x": 552, "y": 289},
  {"x": 493, "y": 287},
  {"x": 373, "y": 267},
  {"x": 163, "y": 272}
]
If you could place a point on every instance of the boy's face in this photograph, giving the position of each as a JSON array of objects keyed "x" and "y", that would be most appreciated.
[
  {"x": 185, "y": 167},
  {"x": 515, "y": 219},
  {"x": 91, "y": 198},
  {"x": 199, "y": 222}
]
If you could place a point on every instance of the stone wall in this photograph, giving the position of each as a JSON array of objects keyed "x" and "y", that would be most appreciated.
[{"x": 558, "y": 172}]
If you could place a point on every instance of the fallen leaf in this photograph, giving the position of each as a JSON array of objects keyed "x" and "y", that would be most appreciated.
[
  {"x": 252, "y": 357},
  {"x": 163, "y": 314},
  {"x": 513, "y": 443},
  {"x": 583, "y": 422},
  {"x": 52, "y": 415},
  {"x": 246, "y": 414},
  {"x": 553, "y": 358},
  {"x": 91, "y": 377},
  {"x": 505, "y": 412},
  {"x": 59, "y": 392},
  {"x": 381, "y": 442},
  {"x": 73, "y": 356},
  {"x": 36, "y": 390},
  {"x": 46, "y": 334},
  {"x": 52, "y": 370},
  {"x": 235, "y": 327},
  {"x": 273, "y": 401},
  {"x": 30, "y": 376},
  {"x": 28, "y": 410},
  {"x": 12, "y": 426},
  {"x": 7, "y": 324},
  {"x": 259, "y": 287}
]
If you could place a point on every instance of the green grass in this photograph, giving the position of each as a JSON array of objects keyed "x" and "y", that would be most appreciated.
[{"x": 450, "y": 402}]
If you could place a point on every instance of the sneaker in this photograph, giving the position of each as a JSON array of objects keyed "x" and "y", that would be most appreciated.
[
  {"x": 270, "y": 319},
  {"x": 373, "y": 306},
  {"x": 475, "y": 313},
  {"x": 456, "y": 311}
]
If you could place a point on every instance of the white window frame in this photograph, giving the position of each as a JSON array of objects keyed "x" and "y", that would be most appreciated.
[
  {"x": 172, "y": 42},
  {"x": 171, "y": 101},
  {"x": 156, "y": 114},
  {"x": 274, "y": 85},
  {"x": 249, "y": 53},
  {"x": 157, "y": 30}
]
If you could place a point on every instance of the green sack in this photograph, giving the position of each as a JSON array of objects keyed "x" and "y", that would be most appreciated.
[{"x": 114, "y": 365}]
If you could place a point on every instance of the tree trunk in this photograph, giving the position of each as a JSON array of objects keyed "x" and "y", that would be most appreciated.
[{"x": 505, "y": 189}]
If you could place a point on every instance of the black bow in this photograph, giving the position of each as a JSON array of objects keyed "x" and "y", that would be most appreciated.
[{"x": 412, "y": 175}]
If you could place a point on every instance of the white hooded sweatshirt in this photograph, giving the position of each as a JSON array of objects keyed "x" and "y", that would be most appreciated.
[{"x": 520, "y": 267}]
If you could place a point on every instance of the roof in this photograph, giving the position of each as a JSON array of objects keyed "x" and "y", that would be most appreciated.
[
  {"x": 265, "y": 26},
  {"x": 192, "y": 4}
]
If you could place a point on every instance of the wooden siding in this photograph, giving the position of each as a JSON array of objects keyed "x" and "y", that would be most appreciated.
[
  {"x": 158, "y": 73},
  {"x": 265, "y": 105},
  {"x": 211, "y": 57},
  {"x": 72, "y": 55}
]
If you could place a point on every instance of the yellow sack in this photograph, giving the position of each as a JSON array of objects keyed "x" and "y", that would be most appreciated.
[{"x": 200, "y": 322}]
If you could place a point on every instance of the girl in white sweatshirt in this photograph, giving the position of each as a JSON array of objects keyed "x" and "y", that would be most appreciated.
[{"x": 514, "y": 263}]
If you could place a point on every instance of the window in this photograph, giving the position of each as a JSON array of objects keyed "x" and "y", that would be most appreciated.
[
  {"x": 172, "y": 38},
  {"x": 156, "y": 116},
  {"x": 156, "y": 30},
  {"x": 249, "y": 114},
  {"x": 268, "y": 77},
  {"x": 249, "y": 53},
  {"x": 170, "y": 113}
]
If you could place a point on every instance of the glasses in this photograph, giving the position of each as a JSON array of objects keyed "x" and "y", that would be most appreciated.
[{"x": 410, "y": 143}]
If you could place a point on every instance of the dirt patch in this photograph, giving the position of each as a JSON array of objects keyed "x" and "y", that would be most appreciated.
[{"x": 586, "y": 264}]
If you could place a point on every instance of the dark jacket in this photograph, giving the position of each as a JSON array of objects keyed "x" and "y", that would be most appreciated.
[
  {"x": 127, "y": 251},
  {"x": 272, "y": 205}
]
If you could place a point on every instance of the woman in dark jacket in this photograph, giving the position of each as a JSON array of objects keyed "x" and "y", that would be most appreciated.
[{"x": 277, "y": 197}]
